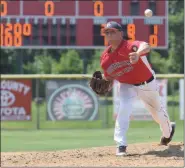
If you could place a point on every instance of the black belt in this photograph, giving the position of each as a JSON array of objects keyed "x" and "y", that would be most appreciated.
[{"x": 148, "y": 81}]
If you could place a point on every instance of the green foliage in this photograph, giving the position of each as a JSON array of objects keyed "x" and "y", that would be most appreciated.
[
  {"x": 173, "y": 62},
  {"x": 159, "y": 64},
  {"x": 42, "y": 65},
  {"x": 176, "y": 36},
  {"x": 8, "y": 61},
  {"x": 70, "y": 63},
  {"x": 175, "y": 6},
  {"x": 95, "y": 63}
]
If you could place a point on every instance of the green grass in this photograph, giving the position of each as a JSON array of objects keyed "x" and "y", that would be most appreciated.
[
  {"x": 78, "y": 134},
  {"x": 47, "y": 140}
]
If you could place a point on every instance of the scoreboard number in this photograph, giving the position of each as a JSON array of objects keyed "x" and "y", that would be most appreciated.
[
  {"x": 11, "y": 34},
  {"x": 3, "y": 8},
  {"x": 49, "y": 8},
  {"x": 131, "y": 30},
  {"x": 153, "y": 39},
  {"x": 17, "y": 34},
  {"x": 98, "y": 8},
  {"x": 8, "y": 36}
]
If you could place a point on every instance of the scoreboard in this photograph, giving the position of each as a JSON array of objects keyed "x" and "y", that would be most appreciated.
[{"x": 77, "y": 23}]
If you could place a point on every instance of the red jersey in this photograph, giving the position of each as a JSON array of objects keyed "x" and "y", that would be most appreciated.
[{"x": 116, "y": 65}]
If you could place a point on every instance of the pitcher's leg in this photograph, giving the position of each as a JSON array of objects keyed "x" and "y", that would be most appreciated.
[
  {"x": 153, "y": 113},
  {"x": 122, "y": 123},
  {"x": 150, "y": 95},
  {"x": 127, "y": 94},
  {"x": 160, "y": 115}
]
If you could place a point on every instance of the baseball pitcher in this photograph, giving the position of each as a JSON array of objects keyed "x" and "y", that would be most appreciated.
[{"x": 126, "y": 61}]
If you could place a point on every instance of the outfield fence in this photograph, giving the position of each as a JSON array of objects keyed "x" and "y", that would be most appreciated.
[{"x": 51, "y": 101}]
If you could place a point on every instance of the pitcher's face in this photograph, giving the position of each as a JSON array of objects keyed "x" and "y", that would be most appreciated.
[{"x": 112, "y": 35}]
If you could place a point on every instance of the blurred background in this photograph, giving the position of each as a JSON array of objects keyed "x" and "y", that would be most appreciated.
[{"x": 49, "y": 48}]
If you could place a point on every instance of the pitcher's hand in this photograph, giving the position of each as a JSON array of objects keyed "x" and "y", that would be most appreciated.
[{"x": 134, "y": 57}]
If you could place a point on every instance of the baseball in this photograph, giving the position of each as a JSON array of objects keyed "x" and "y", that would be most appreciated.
[{"x": 148, "y": 13}]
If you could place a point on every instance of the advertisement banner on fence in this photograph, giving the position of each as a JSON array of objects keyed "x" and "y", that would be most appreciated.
[
  {"x": 139, "y": 112},
  {"x": 181, "y": 93},
  {"x": 70, "y": 100},
  {"x": 16, "y": 97}
]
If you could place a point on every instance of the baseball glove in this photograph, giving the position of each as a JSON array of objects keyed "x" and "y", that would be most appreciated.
[{"x": 99, "y": 85}]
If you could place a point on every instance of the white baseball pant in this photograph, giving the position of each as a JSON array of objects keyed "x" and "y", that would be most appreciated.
[{"x": 149, "y": 94}]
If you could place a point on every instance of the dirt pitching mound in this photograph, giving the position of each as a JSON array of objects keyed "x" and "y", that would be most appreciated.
[{"x": 143, "y": 155}]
